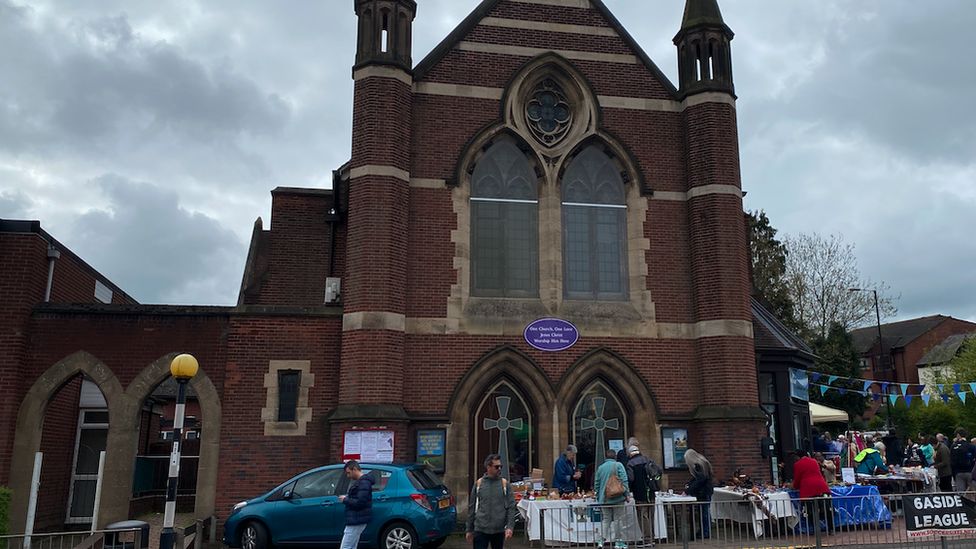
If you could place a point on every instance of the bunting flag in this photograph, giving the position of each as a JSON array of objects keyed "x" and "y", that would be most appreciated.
[
  {"x": 921, "y": 388},
  {"x": 884, "y": 387},
  {"x": 904, "y": 388},
  {"x": 945, "y": 398},
  {"x": 956, "y": 388},
  {"x": 962, "y": 396},
  {"x": 876, "y": 396},
  {"x": 893, "y": 398},
  {"x": 823, "y": 390},
  {"x": 973, "y": 387},
  {"x": 908, "y": 400},
  {"x": 831, "y": 380},
  {"x": 842, "y": 390},
  {"x": 814, "y": 376},
  {"x": 941, "y": 388},
  {"x": 925, "y": 398},
  {"x": 867, "y": 384}
]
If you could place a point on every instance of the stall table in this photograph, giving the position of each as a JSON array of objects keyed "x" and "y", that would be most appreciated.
[
  {"x": 571, "y": 521},
  {"x": 754, "y": 509},
  {"x": 855, "y": 505},
  {"x": 666, "y": 505}
]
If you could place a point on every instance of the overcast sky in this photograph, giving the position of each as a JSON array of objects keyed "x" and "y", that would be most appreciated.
[{"x": 146, "y": 136}]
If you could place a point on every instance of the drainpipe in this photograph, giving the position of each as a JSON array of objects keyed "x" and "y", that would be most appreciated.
[{"x": 52, "y": 255}]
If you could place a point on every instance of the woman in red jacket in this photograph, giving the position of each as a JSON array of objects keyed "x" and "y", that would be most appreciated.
[{"x": 808, "y": 480}]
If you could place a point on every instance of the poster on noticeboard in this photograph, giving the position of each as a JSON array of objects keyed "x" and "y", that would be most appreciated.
[
  {"x": 430, "y": 448},
  {"x": 675, "y": 444},
  {"x": 368, "y": 446}
]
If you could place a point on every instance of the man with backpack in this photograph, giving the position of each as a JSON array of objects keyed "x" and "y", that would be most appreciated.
[
  {"x": 644, "y": 476},
  {"x": 491, "y": 508},
  {"x": 962, "y": 456}
]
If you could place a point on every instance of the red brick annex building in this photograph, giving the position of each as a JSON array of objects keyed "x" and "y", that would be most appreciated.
[{"x": 536, "y": 164}]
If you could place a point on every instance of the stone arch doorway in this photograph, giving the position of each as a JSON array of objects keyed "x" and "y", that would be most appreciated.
[
  {"x": 602, "y": 374},
  {"x": 209, "y": 400},
  {"x": 502, "y": 367},
  {"x": 30, "y": 424}
]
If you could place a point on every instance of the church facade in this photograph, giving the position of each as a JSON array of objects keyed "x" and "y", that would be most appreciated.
[{"x": 535, "y": 165}]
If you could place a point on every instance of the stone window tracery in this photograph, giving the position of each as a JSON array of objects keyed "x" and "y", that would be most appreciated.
[{"x": 548, "y": 113}]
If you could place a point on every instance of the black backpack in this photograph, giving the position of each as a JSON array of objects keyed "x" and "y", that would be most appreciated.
[{"x": 961, "y": 455}]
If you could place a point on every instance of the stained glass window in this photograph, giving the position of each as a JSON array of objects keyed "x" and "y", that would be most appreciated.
[
  {"x": 597, "y": 418},
  {"x": 548, "y": 113},
  {"x": 503, "y": 425},
  {"x": 594, "y": 207},
  {"x": 504, "y": 224}
]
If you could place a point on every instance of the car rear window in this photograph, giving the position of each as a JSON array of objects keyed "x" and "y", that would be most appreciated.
[{"x": 424, "y": 479}]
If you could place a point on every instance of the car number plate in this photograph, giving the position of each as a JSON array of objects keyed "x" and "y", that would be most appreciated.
[{"x": 444, "y": 503}]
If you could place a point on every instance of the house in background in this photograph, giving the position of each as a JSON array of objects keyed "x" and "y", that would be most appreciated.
[
  {"x": 904, "y": 344},
  {"x": 935, "y": 362}
]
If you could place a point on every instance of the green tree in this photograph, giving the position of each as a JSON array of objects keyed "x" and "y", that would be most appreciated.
[
  {"x": 768, "y": 257},
  {"x": 836, "y": 355}
]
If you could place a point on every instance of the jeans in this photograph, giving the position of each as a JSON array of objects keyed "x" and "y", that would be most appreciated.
[
  {"x": 481, "y": 541},
  {"x": 962, "y": 481},
  {"x": 645, "y": 519},
  {"x": 350, "y": 536},
  {"x": 611, "y": 523},
  {"x": 702, "y": 517}
]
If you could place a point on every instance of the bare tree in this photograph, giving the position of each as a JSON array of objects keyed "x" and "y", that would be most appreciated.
[{"x": 820, "y": 273}]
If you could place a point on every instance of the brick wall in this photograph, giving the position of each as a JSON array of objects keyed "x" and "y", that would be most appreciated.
[{"x": 58, "y": 446}]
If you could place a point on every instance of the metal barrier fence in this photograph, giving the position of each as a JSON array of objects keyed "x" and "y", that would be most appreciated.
[
  {"x": 745, "y": 521},
  {"x": 99, "y": 539}
]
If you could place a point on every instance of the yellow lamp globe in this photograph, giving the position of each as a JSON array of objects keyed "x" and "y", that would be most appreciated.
[{"x": 184, "y": 366}]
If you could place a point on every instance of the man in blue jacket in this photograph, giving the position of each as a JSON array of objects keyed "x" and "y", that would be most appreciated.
[
  {"x": 565, "y": 474},
  {"x": 359, "y": 504}
]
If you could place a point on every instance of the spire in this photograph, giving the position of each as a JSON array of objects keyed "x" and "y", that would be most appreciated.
[
  {"x": 704, "y": 50},
  {"x": 701, "y": 12}
]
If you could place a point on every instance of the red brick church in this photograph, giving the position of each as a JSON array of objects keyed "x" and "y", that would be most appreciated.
[{"x": 535, "y": 165}]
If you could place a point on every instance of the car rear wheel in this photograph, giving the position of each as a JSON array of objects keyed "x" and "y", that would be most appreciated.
[
  {"x": 398, "y": 536},
  {"x": 254, "y": 536}
]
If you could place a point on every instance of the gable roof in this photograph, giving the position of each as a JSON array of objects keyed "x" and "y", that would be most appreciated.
[
  {"x": 481, "y": 11},
  {"x": 945, "y": 351},
  {"x": 896, "y": 334},
  {"x": 770, "y": 333}
]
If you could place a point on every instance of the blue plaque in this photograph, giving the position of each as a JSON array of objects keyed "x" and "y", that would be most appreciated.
[{"x": 551, "y": 334}]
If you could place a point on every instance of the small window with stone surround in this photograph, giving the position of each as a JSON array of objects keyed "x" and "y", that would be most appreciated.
[{"x": 286, "y": 411}]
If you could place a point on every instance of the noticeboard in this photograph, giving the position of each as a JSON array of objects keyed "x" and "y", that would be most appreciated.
[
  {"x": 368, "y": 446},
  {"x": 431, "y": 444},
  {"x": 675, "y": 444}
]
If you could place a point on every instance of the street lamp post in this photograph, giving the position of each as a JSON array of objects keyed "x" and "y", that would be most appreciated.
[
  {"x": 881, "y": 354},
  {"x": 183, "y": 368}
]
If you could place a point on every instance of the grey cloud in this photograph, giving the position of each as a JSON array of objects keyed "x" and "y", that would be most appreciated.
[
  {"x": 14, "y": 205},
  {"x": 155, "y": 249}
]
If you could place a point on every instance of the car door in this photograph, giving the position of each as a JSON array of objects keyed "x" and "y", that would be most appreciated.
[
  {"x": 383, "y": 502},
  {"x": 310, "y": 510}
]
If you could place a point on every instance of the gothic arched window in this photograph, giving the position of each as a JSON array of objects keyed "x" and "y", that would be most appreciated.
[
  {"x": 594, "y": 206},
  {"x": 504, "y": 223},
  {"x": 598, "y": 418},
  {"x": 503, "y": 424}
]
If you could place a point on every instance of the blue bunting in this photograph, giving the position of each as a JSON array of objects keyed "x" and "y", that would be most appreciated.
[
  {"x": 962, "y": 396},
  {"x": 926, "y": 398}
]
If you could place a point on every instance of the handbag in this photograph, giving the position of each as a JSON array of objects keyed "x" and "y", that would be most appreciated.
[{"x": 614, "y": 488}]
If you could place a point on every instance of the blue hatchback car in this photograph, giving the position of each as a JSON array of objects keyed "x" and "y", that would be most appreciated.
[{"x": 411, "y": 509}]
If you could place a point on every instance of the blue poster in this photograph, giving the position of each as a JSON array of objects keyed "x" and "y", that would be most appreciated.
[
  {"x": 430, "y": 448},
  {"x": 799, "y": 385}
]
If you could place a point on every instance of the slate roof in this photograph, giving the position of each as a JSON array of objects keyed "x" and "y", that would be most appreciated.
[
  {"x": 701, "y": 12},
  {"x": 896, "y": 334},
  {"x": 770, "y": 333},
  {"x": 945, "y": 351}
]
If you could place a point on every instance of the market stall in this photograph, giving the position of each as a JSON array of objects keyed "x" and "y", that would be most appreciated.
[
  {"x": 574, "y": 521},
  {"x": 855, "y": 505},
  {"x": 753, "y": 508},
  {"x": 825, "y": 414}
]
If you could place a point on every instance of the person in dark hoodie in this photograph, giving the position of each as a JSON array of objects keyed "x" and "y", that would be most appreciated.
[
  {"x": 359, "y": 504},
  {"x": 491, "y": 508}
]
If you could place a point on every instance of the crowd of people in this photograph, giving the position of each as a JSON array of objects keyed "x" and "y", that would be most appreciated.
[{"x": 953, "y": 460}]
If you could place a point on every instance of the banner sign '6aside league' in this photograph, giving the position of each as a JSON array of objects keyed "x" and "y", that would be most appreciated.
[{"x": 939, "y": 515}]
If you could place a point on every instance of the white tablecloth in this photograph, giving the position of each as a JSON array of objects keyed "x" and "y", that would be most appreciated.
[
  {"x": 661, "y": 515},
  {"x": 570, "y": 521},
  {"x": 731, "y": 505}
]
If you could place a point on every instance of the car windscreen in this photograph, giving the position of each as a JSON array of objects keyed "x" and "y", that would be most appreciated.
[{"x": 424, "y": 479}]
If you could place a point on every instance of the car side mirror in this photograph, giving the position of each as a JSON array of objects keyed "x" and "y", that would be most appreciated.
[{"x": 287, "y": 495}]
